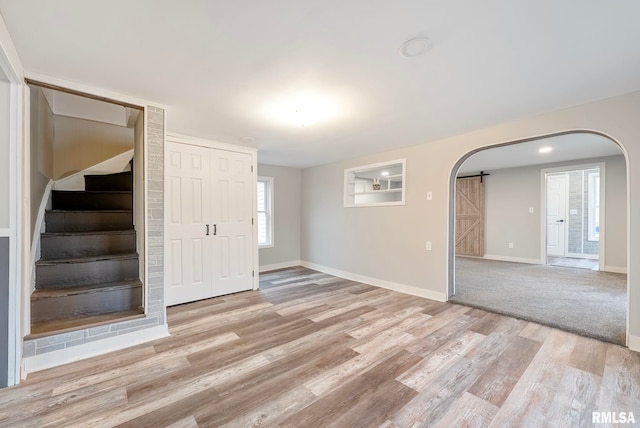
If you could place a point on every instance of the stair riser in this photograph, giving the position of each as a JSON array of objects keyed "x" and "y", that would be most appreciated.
[
  {"x": 91, "y": 201},
  {"x": 122, "y": 181},
  {"x": 68, "y": 275},
  {"x": 87, "y": 222},
  {"x": 56, "y": 247},
  {"x": 86, "y": 304}
]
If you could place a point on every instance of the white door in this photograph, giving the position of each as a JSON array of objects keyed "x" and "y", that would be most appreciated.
[
  {"x": 208, "y": 222},
  {"x": 188, "y": 248},
  {"x": 556, "y": 214},
  {"x": 233, "y": 184}
]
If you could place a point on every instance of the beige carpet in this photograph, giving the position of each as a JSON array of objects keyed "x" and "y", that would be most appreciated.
[{"x": 589, "y": 303}]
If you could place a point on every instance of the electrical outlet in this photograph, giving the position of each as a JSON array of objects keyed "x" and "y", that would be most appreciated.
[
  {"x": 531, "y": 210},
  {"x": 510, "y": 244},
  {"x": 429, "y": 196},
  {"x": 428, "y": 246}
]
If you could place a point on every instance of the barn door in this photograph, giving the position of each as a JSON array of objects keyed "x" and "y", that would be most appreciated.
[{"x": 470, "y": 216}]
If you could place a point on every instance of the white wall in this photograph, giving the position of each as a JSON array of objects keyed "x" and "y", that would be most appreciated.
[
  {"x": 510, "y": 192},
  {"x": 42, "y": 136},
  {"x": 5, "y": 95},
  {"x": 81, "y": 143},
  {"x": 388, "y": 243},
  {"x": 286, "y": 217}
]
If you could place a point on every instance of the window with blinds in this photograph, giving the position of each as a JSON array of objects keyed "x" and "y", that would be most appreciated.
[{"x": 265, "y": 211}]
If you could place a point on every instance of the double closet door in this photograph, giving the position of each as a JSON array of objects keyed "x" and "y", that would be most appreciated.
[{"x": 209, "y": 244}]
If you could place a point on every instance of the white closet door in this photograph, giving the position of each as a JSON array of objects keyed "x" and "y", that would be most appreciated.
[
  {"x": 233, "y": 186},
  {"x": 188, "y": 249}
]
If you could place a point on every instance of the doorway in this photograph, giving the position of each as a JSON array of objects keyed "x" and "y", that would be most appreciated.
[
  {"x": 528, "y": 190},
  {"x": 87, "y": 215},
  {"x": 573, "y": 217}
]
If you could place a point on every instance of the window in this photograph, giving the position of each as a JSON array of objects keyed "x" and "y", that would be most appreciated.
[
  {"x": 265, "y": 211},
  {"x": 594, "y": 206}
]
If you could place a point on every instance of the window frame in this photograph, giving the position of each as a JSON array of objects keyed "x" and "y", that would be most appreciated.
[
  {"x": 269, "y": 190},
  {"x": 593, "y": 206}
]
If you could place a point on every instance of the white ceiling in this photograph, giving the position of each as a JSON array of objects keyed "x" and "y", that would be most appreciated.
[
  {"x": 564, "y": 148},
  {"x": 218, "y": 64}
]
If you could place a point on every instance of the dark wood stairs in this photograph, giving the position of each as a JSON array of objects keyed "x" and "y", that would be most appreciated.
[{"x": 89, "y": 268}]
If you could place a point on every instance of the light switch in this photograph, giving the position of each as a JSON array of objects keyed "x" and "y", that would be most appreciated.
[{"x": 429, "y": 196}]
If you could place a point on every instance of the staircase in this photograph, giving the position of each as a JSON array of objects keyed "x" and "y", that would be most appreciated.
[{"x": 88, "y": 272}]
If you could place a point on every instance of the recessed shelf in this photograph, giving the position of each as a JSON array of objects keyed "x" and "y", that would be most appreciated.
[{"x": 375, "y": 185}]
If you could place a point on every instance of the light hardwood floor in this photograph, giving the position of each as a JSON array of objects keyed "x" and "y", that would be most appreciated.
[{"x": 312, "y": 350}]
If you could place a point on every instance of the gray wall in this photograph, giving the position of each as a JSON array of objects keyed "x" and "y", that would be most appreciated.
[
  {"x": 286, "y": 215},
  {"x": 41, "y": 169},
  {"x": 510, "y": 192},
  {"x": 4, "y": 310},
  {"x": 388, "y": 243}
]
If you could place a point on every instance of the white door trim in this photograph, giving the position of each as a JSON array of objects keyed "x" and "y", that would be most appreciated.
[
  {"x": 543, "y": 208},
  {"x": 15, "y": 230}
]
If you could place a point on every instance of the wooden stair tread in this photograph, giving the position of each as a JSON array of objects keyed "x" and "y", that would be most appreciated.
[
  {"x": 98, "y": 232},
  {"x": 91, "y": 288},
  {"x": 97, "y": 192},
  {"x": 110, "y": 175},
  {"x": 86, "y": 259},
  {"x": 89, "y": 211},
  {"x": 66, "y": 325}
]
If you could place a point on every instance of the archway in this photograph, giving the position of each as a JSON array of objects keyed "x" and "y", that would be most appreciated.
[{"x": 511, "y": 275}]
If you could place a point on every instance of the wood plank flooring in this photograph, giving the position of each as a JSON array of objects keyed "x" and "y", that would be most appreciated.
[{"x": 312, "y": 350}]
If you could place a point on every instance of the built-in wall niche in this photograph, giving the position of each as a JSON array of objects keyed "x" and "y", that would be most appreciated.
[{"x": 374, "y": 185}]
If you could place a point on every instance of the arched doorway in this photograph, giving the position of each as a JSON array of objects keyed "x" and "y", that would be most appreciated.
[{"x": 513, "y": 273}]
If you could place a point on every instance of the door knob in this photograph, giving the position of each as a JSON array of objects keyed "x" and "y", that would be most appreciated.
[
  {"x": 207, "y": 230},
  {"x": 560, "y": 221}
]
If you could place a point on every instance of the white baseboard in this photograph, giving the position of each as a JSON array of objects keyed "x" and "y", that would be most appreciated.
[
  {"x": 615, "y": 269},
  {"x": 512, "y": 259},
  {"x": 283, "y": 265},
  {"x": 634, "y": 343},
  {"x": 92, "y": 349},
  {"x": 394, "y": 286}
]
